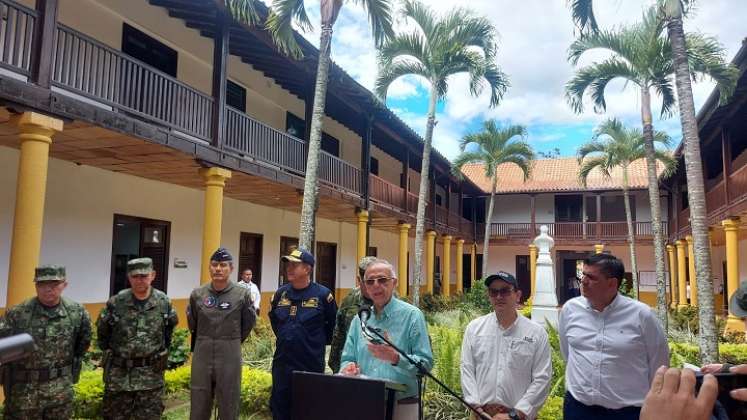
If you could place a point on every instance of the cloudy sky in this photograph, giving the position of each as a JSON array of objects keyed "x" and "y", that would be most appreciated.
[{"x": 534, "y": 37}]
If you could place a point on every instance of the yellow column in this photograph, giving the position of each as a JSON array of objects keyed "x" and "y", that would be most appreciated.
[
  {"x": 446, "y": 274},
  {"x": 532, "y": 268},
  {"x": 598, "y": 248},
  {"x": 682, "y": 272},
  {"x": 404, "y": 229},
  {"x": 674, "y": 298},
  {"x": 691, "y": 267},
  {"x": 430, "y": 258},
  {"x": 473, "y": 263},
  {"x": 459, "y": 266},
  {"x": 35, "y": 135},
  {"x": 215, "y": 180},
  {"x": 361, "y": 251},
  {"x": 731, "y": 229}
]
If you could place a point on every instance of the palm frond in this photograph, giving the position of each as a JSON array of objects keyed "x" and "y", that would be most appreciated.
[
  {"x": 707, "y": 57},
  {"x": 380, "y": 17},
  {"x": 280, "y": 25},
  {"x": 465, "y": 158},
  {"x": 402, "y": 45},
  {"x": 583, "y": 15},
  {"x": 387, "y": 75},
  {"x": 244, "y": 11},
  {"x": 594, "y": 79},
  {"x": 588, "y": 165},
  {"x": 621, "y": 43},
  {"x": 669, "y": 162},
  {"x": 422, "y": 15}
]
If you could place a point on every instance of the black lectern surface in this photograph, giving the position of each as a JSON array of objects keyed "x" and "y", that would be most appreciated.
[{"x": 335, "y": 397}]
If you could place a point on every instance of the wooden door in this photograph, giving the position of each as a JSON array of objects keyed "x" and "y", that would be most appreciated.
[
  {"x": 250, "y": 256},
  {"x": 326, "y": 264}
]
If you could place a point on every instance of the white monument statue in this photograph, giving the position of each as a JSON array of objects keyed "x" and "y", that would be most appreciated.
[{"x": 545, "y": 301}]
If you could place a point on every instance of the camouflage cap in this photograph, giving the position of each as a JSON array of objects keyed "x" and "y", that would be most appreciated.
[
  {"x": 139, "y": 266},
  {"x": 49, "y": 273}
]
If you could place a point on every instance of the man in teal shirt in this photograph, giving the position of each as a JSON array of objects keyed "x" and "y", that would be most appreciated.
[{"x": 404, "y": 325}]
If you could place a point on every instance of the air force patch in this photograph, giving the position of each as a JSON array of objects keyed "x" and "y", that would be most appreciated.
[
  {"x": 224, "y": 305},
  {"x": 209, "y": 301}
]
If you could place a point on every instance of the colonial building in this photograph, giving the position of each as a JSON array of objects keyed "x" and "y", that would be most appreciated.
[
  {"x": 723, "y": 148},
  {"x": 162, "y": 128}
]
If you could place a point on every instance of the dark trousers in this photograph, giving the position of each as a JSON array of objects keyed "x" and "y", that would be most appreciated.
[{"x": 574, "y": 410}]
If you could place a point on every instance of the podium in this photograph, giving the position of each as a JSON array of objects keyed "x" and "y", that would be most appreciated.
[{"x": 336, "y": 397}]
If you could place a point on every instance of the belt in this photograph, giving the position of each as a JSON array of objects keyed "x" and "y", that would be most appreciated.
[
  {"x": 136, "y": 362},
  {"x": 41, "y": 375},
  {"x": 408, "y": 400},
  {"x": 494, "y": 409}
]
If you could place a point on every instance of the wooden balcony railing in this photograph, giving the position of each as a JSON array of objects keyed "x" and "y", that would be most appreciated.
[
  {"x": 386, "y": 192},
  {"x": 573, "y": 230},
  {"x": 339, "y": 173},
  {"x": 16, "y": 36},
  {"x": 248, "y": 136},
  {"x": 715, "y": 197},
  {"x": 91, "y": 69},
  {"x": 738, "y": 184}
]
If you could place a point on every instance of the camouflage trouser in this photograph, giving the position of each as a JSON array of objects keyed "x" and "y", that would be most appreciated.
[
  {"x": 58, "y": 412},
  {"x": 146, "y": 404}
]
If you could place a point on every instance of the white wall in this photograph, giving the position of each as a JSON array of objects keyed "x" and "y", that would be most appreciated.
[{"x": 81, "y": 202}]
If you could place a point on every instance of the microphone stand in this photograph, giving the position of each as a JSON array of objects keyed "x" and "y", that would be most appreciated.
[{"x": 422, "y": 371}]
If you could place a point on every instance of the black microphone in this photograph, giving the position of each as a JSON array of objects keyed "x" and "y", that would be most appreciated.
[
  {"x": 364, "y": 313},
  {"x": 15, "y": 347}
]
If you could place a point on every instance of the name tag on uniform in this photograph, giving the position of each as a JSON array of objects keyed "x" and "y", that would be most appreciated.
[
  {"x": 224, "y": 305},
  {"x": 310, "y": 303},
  {"x": 293, "y": 310},
  {"x": 529, "y": 339}
]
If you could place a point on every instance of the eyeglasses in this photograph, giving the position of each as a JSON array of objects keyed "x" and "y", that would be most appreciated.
[
  {"x": 381, "y": 280},
  {"x": 503, "y": 291}
]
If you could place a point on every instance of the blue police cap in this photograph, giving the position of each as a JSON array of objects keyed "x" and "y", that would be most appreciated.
[
  {"x": 300, "y": 255},
  {"x": 221, "y": 254}
]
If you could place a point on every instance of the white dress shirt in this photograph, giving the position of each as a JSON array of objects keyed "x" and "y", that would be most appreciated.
[
  {"x": 253, "y": 292},
  {"x": 509, "y": 366},
  {"x": 612, "y": 356}
]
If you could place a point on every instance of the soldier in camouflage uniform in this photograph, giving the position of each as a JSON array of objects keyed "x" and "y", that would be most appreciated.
[
  {"x": 134, "y": 331},
  {"x": 41, "y": 386},
  {"x": 346, "y": 312},
  {"x": 221, "y": 315}
]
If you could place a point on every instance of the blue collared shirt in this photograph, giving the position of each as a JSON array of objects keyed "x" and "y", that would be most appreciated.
[{"x": 406, "y": 327}]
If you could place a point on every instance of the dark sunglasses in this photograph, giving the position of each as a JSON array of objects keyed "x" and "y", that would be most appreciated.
[
  {"x": 503, "y": 291},
  {"x": 381, "y": 280}
]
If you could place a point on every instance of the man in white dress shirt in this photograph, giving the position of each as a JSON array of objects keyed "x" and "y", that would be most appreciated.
[
  {"x": 506, "y": 368},
  {"x": 613, "y": 346},
  {"x": 246, "y": 281}
]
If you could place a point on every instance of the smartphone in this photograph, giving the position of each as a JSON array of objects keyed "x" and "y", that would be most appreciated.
[{"x": 736, "y": 410}]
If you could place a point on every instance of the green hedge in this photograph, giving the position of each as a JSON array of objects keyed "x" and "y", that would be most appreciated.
[
  {"x": 728, "y": 353},
  {"x": 255, "y": 390}
]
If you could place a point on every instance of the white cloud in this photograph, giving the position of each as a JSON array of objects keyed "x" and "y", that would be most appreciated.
[{"x": 534, "y": 37}]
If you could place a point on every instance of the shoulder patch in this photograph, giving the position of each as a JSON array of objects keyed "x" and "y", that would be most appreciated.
[{"x": 330, "y": 298}]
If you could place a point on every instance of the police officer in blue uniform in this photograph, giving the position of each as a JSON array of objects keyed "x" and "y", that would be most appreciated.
[{"x": 302, "y": 315}]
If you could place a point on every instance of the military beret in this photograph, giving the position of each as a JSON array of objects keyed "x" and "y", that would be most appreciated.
[
  {"x": 139, "y": 266},
  {"x": 221, "y": 254},
  {"x": 49, "y": 273},
  {"x": 300, "y": 255}
]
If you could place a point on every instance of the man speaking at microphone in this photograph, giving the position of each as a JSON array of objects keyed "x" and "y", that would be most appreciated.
[{"x": 403, "y": 325}]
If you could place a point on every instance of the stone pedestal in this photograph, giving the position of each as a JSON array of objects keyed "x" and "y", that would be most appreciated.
[{"x": 545, "y": 301}]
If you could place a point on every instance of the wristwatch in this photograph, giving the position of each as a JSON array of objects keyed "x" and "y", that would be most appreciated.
[{"x": 513, "y": 415}]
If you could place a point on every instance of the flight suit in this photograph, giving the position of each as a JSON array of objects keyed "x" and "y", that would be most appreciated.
[
  {"x": 303, "y": 321},
  {"x": 219, "y": 322}
]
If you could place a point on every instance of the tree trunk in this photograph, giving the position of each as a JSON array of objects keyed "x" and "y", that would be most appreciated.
[
  {"x": 654, "y": 201},
  {"x": 423, "y": 195},
  {"x": 631, "y": 232},
  {"x": 708, "y": 335},
  {"x": 311, "y": 182},
  {"x": 488, "y": 221}
]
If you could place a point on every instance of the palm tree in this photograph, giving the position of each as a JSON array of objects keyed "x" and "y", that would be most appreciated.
[
  {"x": 616, "y": 146},
  {"x": 494, "y": 146},
  {"x": 642, "y": 56},
  {"x": 672, "y": 12},
  {"x": 285, "y": 13},
  {"x": 436, "y": 49}
]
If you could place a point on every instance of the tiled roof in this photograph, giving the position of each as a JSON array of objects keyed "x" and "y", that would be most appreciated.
[{"x": 549, "y": 175}]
